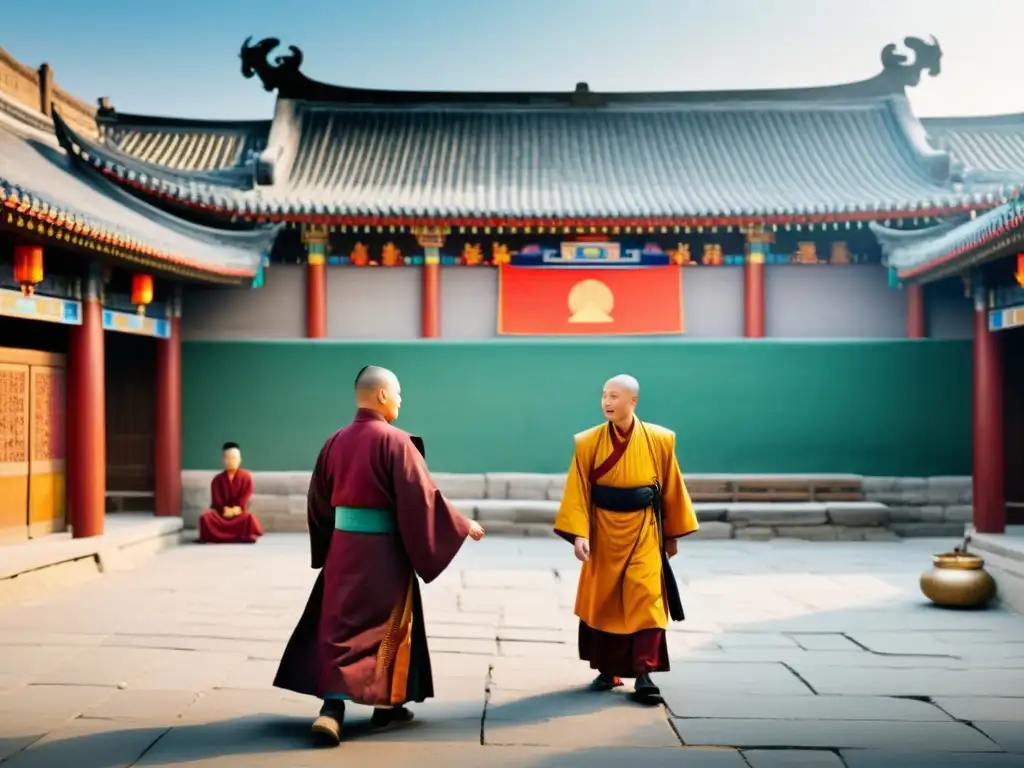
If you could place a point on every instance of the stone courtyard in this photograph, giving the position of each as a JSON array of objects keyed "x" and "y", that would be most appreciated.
[{"x": 794, "y": 654}]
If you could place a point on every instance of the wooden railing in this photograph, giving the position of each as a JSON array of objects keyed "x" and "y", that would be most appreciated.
[{"x": 36, "y": 90}]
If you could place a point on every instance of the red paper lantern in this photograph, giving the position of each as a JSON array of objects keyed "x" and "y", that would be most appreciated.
[
  {"x": 142, "y": 291},
  {"x": 28, "y": 267}
]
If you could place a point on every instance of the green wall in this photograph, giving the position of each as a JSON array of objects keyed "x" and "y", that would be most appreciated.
[{"x": 866, "y": 407}]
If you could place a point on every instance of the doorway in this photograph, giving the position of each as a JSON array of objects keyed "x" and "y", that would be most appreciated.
[
  {"x": 131, "y": 413},
  {"x": 1013, "y": 423}
]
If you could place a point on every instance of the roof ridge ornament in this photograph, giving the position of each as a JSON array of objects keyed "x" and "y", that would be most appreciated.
[
  {"x": 927, "y": 58},
  {"x": 283, "y": 75}
]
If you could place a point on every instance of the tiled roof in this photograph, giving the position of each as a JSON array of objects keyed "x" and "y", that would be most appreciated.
[
  {"x": 721, "y": 158},
  {"x": 185, "y": 145},
  {"x": 934, "y": 252},
  {"x": 42, "y": 183},
  {"x": 981, "y": 143}
]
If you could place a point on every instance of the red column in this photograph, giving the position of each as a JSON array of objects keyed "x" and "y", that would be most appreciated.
[
  {"x": 753, "y": 298},
  {"x": 916, "y": 327},
  {"x": 316, "y": 297},
  {"x": 167, "y": 450},
  {"x": 87, "y": 446},
  {"x": 989, "y": 489},
  {"x": 431, "y": 304}
]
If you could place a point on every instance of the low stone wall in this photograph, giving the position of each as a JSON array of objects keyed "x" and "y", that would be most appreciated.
[{"x": 522, "y": 504}]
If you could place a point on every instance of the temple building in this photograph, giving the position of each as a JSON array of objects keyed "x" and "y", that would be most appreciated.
[
  {"x": 91, "y": 280},
  {"x": 797, "y": 213}
]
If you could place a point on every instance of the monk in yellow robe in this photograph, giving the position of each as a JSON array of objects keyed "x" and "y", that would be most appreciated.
[{"x": 624, "y": 508}]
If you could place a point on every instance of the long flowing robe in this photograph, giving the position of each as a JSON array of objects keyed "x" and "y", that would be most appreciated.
[
  {"x": 621, "y": 600},
  {"x": 361, "y": 637},
  {"x": 228, "y": 490}
]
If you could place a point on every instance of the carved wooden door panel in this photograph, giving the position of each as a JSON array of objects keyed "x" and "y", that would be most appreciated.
[
  {"x": 47, "y": 479},
  {"x": 14, "y": 451}
]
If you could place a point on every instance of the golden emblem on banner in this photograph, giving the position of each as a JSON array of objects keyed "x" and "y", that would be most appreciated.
[{"x": 591, "y": 301}]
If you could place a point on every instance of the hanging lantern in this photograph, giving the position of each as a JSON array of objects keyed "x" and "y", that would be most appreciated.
[
  {"x": 142, "y": 291},
  {"x": 28, "y": 267}
]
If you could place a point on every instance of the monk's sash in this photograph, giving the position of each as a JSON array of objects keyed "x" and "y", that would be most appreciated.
[
  {"x": 615, "y": 499},
  {"x": 364, "y": 520}
]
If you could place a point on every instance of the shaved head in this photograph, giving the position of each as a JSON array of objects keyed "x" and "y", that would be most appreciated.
[
  {"x": 626, "y": 382},
  {"x": 373, "y": 377},
  {"x": 377, "y": 389},
  {"x": 618, "y": 400}
]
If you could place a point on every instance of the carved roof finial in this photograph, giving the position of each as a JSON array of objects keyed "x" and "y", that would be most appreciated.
[
  {"x": 276, "y": 76},
  {"x": 927, "y": 58}
]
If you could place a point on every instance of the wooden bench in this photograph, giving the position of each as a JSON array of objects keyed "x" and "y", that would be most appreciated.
[
  {"x": 784, "y": 488},
  {"x": 702, "y": 489},
  {"x": 116, "y": 500}
]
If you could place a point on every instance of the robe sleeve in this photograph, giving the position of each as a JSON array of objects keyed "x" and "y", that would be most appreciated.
[
  {"x": 431, "y": 529},
  {"x": 217, "y": 501},
  {"x": 244, "y": 492},
  {"x": 573, "y": 517},
  {"x": 319, "y": 512},
  {"x": 679, "y": 517}
]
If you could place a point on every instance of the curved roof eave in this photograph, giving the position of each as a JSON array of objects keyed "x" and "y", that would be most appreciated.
[
  {"x": 202, "y": 248},
  {"x": 928, "y": 255}
]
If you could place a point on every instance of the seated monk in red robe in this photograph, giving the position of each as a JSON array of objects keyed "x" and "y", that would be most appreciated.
[
  {"x": 377, "y": 525},
  {"x": 228, "y": 521}
]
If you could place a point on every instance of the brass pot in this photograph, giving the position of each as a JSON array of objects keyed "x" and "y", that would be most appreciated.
[{"x": 958, "y": 579}]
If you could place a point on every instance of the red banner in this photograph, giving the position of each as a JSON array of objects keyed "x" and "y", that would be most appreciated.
[{"x": 573, "y": 301}]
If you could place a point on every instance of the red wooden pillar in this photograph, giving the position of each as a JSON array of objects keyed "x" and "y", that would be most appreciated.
[
  {"x": 753, "y": 285},
  {"x": 431, "y": 239},
  {"x": 167, "y": 450},
  {"x": 431, "y": 304},
  {"x": 316, "y": 297},
  {"x": 989, "y": 490},
  {"x": 87, "y": 446},
  {"x": 316, "y": 238},
  {"x": 916, "y": 324}
]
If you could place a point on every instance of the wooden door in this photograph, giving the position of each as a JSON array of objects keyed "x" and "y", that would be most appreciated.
[
  {"x": 1013, "y": 423},
  {"x": 47, "y": 480},
  {"x": 131, "y": 414},
  {"x": 14, "y": 456}
]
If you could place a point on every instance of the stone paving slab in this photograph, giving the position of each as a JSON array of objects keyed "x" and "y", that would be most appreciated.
[
  {"x": 977, "y": 708},
  {"x": 912, "y": 682},
  {"x": 806, "y": 708},
  {"x": 1008, "y": 735},
  {"x": 871, "y": 758},
  {"x": 792, "y": 758},
  {"x": 833, "y": 734}
]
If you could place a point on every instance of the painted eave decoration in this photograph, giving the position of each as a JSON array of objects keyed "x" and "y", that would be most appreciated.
[
  {"x": 948, "y": 249},
  {"x": 25, "y": 209},
  {"x": 723, "y": 159}
]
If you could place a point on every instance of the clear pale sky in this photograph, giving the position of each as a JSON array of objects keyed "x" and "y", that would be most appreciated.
[{"x": 181, "y": 57}]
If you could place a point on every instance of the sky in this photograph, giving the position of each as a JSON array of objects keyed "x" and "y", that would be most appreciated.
[{"x": 180, "y": 57}]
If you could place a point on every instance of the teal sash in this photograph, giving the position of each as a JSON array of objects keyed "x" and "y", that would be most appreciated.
[{"x": 361, "y": 520}]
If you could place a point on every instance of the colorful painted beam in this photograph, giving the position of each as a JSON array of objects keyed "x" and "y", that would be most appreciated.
[
  {"x": 45, "y": 308},
  {"x": 1004, "y": 319},
  {"x": 131, "y": 322}
]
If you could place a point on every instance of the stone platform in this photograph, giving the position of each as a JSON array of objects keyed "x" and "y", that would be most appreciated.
[
  {"x": 33, "y": 566},
  {"x": 1004, "y": 559},
  {"x": 729, "y": 506}
]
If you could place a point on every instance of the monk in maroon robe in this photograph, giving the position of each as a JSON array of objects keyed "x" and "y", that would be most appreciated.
[
  {"x": 376, "y": 522},
  {"x": 228, "y": 520}
]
